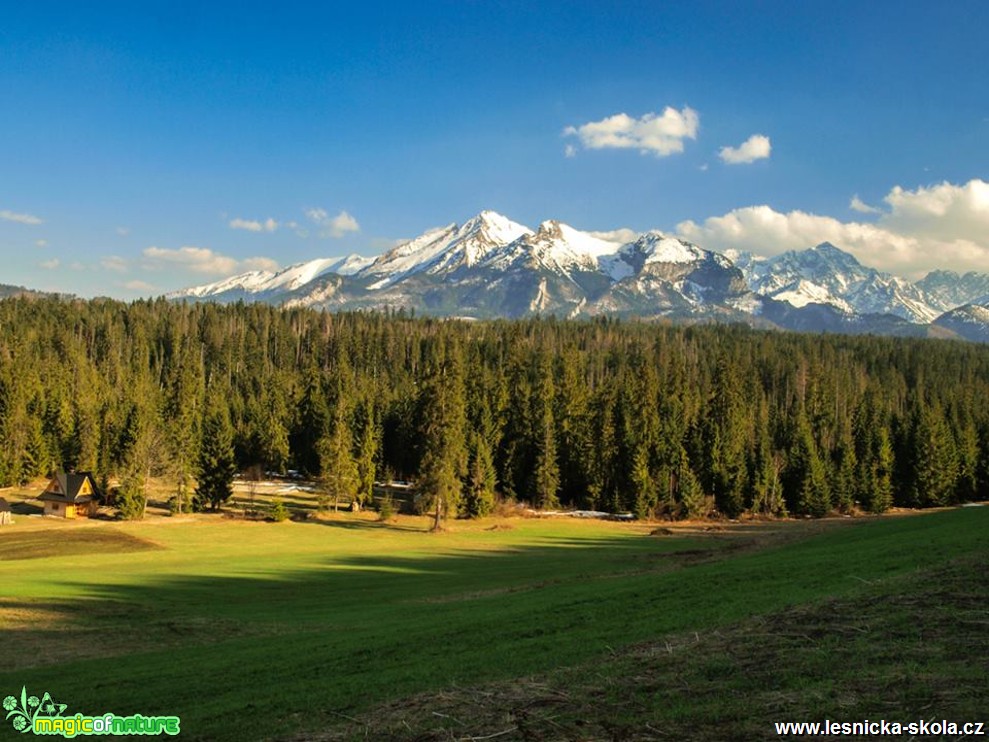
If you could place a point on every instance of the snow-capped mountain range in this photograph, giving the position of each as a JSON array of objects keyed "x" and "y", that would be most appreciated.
[
  {"x": 491, "y": 266},
  {"x": 827, "y": 275},
  {"x": 267, "y": 283}
]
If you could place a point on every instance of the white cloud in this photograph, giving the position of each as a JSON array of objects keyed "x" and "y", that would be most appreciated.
[
  {"x": 196, "y": 259},
  {"x": 335, "y": 226},
  {"x": 41, "y": 243},
  {"x": 622, "y": 235},
  {"x": 11, "y": 216},
  {"x": 203, "y": 260},
  {"x": 661, "y": 135},
  {"x": 343, "y": 223},
  {"x": 114, "y": 263},
  {"x": 260, "y": 264},
  {"x": 123, "y": 231},
  {"x": 756, "y": 147},
  {"x": 857, "y": 204},
  {"x": 569, "y": 151},
  {"x": 943, "y": 211},
  {"x": 765, "y": 231},
  {"x": 137, "y": 285},
  {"x": 49, "y": 265},
  {"x": 268, "y": 225},
  {"x": 931, "y": 227}
]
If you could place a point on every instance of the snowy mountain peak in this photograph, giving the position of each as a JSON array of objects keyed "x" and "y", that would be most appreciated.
[
  {"x": 286, "y": 279},
  {"x": 834, "y": 256},
  {"x": 948, "y": 289},
  {"x": 828, "y": 248},
  {"x": 493, "y": 227},
  {"x": 660, "y": 248},
  {"x": 564, "y": 239},
  {"x": 446, "y": 248},
  {"x": 825, "y": 274},
  {"x": 489, "y": 265}
]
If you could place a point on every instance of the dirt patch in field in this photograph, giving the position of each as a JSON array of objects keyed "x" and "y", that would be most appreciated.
[
  {"x": 38, "y": 544},
  {"x": 19, "y": 615}
]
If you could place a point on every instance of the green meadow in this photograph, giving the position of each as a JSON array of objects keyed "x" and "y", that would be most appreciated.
[{"x": 346, "y": 627}]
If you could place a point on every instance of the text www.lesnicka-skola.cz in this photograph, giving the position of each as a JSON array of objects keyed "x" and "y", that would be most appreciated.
[{"x": 881, "y": 728}]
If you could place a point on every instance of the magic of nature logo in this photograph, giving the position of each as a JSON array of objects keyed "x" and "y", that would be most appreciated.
[{"x": 45, "y": 716}]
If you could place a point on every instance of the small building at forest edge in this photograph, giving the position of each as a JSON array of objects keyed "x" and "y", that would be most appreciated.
[{"x": 71, "y": 495}]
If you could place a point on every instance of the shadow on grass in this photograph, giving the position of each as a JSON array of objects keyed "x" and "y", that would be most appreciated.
[
  {"x": 268, "y": 652},
  {"x": 360, "y": 524},
  {"x": 330, "y": 636},
  {"x": 25, "y": 508}
]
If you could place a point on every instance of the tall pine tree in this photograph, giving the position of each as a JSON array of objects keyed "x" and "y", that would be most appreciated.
[
  {"x": 217, "y": 465},
  {"x": 443, "y": 419}
]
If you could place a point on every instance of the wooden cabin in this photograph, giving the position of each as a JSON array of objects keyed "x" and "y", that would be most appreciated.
[{"x": 70, "y": 495}]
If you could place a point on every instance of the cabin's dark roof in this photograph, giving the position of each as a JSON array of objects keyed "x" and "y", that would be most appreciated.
[
  {"x": 4, "y": 505},
  {"x": 69, "y": 484}
]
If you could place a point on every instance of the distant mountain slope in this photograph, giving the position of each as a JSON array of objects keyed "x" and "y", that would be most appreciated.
[
  {"x": 970, "y": 322},
  {"x": 827, "y": 275},
  {"x": 948, "y": 289},
  {"x": 444, "y": 250},
  {"x": 267, "y": 285},
  {"x": 9, "y": 291},
  {"x": 490, "y": 266},
  {"x": 813, "y": 317}
]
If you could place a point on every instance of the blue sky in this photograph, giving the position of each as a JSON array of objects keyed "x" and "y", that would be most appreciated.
[{"x": 150, "y": 146}]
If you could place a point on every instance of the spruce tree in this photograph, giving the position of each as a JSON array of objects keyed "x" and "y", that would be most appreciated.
[
  {"x": 845, "y": 485},
  {"x": 339, "y": 476},
  {"x": 874, "y": 456},
  {"x": 601, "y": 461},
  {"x": 935, "y": 464},
  {"x": 367, "y": 463},
  {"x": 311, "y": 420},
  {"x": 690, "y": 492},
  {"x": 882, "y": 477},
  {"x": 810, "y": 490},
  {"x": 767, "y": 487},
  {"x": 479, "y": 489},
  {"x": 546, "y": 469},
  {"x": 217, "y": 465},
  {"x": 572, "y": 415},
  {"x": 726, "y": 441},
  {"x": 444, "y": 449},
  {"x": 644, "y": 490},
  {"x": 967, "y": 446},
  {"x": 131, "y": 498}
]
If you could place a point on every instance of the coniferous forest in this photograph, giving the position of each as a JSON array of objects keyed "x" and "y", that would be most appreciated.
[{"x": 658, "y": 420}]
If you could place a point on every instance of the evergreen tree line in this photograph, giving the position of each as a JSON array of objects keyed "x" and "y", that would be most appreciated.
[{"x": 658, "y": 420}]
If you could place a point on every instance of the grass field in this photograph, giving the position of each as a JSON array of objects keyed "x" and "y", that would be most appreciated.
[{"x": 525, "y": 628}]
